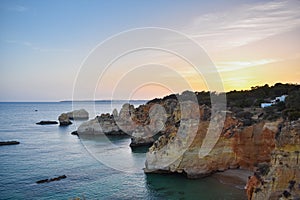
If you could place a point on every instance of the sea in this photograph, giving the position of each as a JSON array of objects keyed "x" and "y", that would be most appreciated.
[{"x": 96, "y": 167}]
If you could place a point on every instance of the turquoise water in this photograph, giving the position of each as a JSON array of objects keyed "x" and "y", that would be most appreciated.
[{"x": 50, "y": 151}]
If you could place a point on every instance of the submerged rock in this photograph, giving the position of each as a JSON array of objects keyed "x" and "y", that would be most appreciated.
[
  {"x": 9, "y": 143},
  {"x": 64, "y": 120},
  {"x": 47, "y": 122},
  {"x": 78, "y": 114}
]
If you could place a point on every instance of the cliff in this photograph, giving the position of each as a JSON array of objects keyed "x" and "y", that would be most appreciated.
[
  {"x": 238, "y": 146},
  {"x": 196, "y": 140},
  {"x": 191, "y": 140},
  {"x": 281, "y": 178}
]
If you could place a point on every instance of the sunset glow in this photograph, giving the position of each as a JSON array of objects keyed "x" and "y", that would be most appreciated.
[{"x": 249, "y": 42}]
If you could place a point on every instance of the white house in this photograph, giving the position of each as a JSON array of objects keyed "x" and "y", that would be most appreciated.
[
  {"x": 274, "y": 101},
  {"x": 281, "y": 98},
  {"x": 263, "y": 105}
]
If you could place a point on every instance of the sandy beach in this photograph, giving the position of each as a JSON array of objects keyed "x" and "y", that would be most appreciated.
[{"x": 235, "y": 177}]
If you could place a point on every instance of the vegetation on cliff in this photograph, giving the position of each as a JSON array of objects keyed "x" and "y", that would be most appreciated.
[{"x": 237, "y": 101}]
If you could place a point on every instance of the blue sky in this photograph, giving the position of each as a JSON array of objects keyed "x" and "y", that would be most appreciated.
[{"x": 43, "y": 43}]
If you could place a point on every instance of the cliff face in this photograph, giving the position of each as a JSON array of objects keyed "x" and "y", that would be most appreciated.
[
  {"x": 238, "y": 146},
  {"x": 254, "y": 144},
  {"x": 141, "y": 123},
  {"x": 280, "y": 180},
  {"x": 188, "y": 131}
]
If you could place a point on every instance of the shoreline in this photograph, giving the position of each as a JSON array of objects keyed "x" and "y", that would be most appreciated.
[{"x": 234, "y": 177}]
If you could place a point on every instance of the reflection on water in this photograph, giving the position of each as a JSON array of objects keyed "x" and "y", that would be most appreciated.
[
  {"x": 177, "y": 186},
  {"x": 114, "y": 152}
]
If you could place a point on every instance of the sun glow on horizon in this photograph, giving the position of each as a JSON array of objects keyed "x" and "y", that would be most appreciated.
[{"x": 43, "y": 46}]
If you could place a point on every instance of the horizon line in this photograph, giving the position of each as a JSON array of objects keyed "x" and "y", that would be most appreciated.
[{"x": 67, "y": 101}]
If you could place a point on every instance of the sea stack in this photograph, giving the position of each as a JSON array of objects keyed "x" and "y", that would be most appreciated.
[
  {"x": 81, "y": 114},
  {"x": 64, "y": 120}
]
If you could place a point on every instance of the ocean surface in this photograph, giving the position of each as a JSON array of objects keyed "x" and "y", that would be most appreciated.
[{"x": 96, "y": 168}]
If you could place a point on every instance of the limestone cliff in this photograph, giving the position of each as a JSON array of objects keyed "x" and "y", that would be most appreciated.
[
  {"x": 280, "y": 180},
  {"x": 198, "y": 140},
  {"x": 238, "y": 146}
]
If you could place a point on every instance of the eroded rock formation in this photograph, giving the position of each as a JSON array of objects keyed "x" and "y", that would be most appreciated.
[
  {"x": 64, "y": 120},
  {"x": 111, "y": 124},
  {"x": 198, "y": 141},
  {"x": 280, "y": 180},
  {"x": 238, "y": 146},
  {"x": 78, "y": 114},
  {"x": 103, "y": 124}
]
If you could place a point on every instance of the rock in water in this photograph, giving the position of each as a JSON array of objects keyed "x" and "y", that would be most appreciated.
[
  {"x": 78, "y": 114},
  {"x": 74, "y": 133},
  {"x": 51, "y": 179},
  {"x": 47, "y": 122},
  {"x": 64, "y": 120},
  {"x": 141, "y": 141},
  {"x": 9, "y": 143},
  {"x": 42, "y": 181},
  {"x": 104, "y": 124},
  {"x": 141, "y": 136}
]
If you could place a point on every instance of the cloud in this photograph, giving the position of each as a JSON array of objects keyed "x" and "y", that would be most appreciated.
[
  {"x": 237, "y": 65},
  {"x": 245, "y": 24}
]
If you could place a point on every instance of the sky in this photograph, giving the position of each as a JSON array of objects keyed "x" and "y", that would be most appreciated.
[{"x": 54, "y": 50}]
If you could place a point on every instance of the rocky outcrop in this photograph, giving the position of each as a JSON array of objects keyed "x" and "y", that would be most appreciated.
[
  {"x": 281, "y": 178},
  {"x": 238, "y": 146},
  {"x": 115, "y": 124},
  {"x": 187, "y": 132},
  {"x": 64, "y": 120},
  {"x": 149, "y": 120},
  {"x": 141, "y": 141},
  {"x": 141, "y": 137},
  {"x": 254, "y": 144},
  {"x": 74, "y": 133},
  {"x": 141, "y": 123},
  {"x": 194, "y": 140},
  {"x": 104, "y": 124},
  {"x": 81, "y": 114},
  {"x": 47, "y": 122}
]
